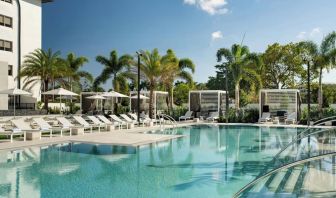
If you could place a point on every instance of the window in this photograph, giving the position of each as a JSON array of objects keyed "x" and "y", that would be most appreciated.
[
  {"x": 6, "y": 21},
  {"x": 6, "y": 45},
  {"x": 8, "y": 1},
  {"x": 10, "y": 70}
]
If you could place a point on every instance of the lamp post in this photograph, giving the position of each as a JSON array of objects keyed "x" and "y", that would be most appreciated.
[
  {"x": 138, "y": 99},
  {"x": 226, "y": 95}
]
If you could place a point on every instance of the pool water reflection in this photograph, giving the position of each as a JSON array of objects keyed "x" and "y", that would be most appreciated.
[{"x": 210, "y": 161}]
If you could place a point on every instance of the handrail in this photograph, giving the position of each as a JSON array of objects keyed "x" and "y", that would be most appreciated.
[
  {"x": 317, "y": 123},
  {"x": 324, "y": 120},
  {"x": 279, "y": 169},
  {"x": 171, "y": 119}
]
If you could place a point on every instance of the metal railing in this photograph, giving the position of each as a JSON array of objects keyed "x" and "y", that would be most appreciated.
[
  {"x": 167, "y": 117},
  {"x": 259, "y": 179},
  {"x": 274, "y": 167}
]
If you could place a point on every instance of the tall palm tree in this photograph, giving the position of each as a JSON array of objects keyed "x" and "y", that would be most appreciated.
[
  {"x": 309, "y": 55},
  {"x": 74, "y": 64},
  {"x": 243, "y": 65},
  {"x": 173, "y": 70},
  {"x": 116, "y": 67},
  {"x": 43, "y": 67},
  {"x": 151, "y": 65},
  {"x": 325, "y": 61},
  {"x": 320, "y": 58}
]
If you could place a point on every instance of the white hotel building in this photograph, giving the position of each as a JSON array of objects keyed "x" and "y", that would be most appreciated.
[{"x": 20, "y": 34}]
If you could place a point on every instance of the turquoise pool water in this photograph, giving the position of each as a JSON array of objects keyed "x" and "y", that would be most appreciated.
[{"x": 209, "y": 162}]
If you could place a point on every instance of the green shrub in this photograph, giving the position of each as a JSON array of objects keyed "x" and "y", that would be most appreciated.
[
  {"x": 242, "y": 116},
  {"x": 178, "y": 111}
]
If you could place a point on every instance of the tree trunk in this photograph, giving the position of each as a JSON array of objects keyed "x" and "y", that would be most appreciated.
[
  {"x": 151, "y": 99},
  {"x": 320, "y": 95},
  {"x": 237, "y": 96},
  {"x": 46, "y": 84}
]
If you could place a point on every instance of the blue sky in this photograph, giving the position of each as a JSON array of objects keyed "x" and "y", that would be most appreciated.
[{"x": 192, "y": 28}]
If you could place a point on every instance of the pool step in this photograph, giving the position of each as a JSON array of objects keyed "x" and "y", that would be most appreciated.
[{"x": 292, "y": 179}]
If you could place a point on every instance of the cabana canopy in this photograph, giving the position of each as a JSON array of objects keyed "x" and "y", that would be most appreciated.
[
  {"x": 203, "y": 102},
  {"x": 280, "y": 102}
]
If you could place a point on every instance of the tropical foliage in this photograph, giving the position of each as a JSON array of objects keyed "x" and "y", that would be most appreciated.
[{"x": 117, "y": 68}]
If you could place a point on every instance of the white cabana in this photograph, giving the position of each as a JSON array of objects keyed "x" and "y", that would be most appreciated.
[
  {"x": 202, "y": 102},
  {"x": 15, "y": 92},
  {"x": 280, "y": 102}
]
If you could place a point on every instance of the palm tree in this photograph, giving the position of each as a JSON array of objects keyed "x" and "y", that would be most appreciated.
[
  {"x": 43, "y": 67},
  {"x": 116, "y": 67},
  {"x": 74, "y": 64},
  {"x": 151, "y": 66},
  {"x": 309, "y": 55},
  {"x": 325, "y": 60},
  {"x": 319, "y": 59},
  {"x": 173, "y": 70},
  {"x": 243, "y": 65}
]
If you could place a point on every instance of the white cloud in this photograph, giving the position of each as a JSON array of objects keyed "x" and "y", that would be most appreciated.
[
  {"x": 315, "y": 32},
  {"x": 301, "y": 35},
  {"x": 210, "y": 6},
  {"x": 309, "y": 35},
  {"x": 216, "y": 35}
]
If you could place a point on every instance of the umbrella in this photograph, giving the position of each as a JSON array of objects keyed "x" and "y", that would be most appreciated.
[
  {"x": 97, "y": 97},
  {"x": 15, "y": 92},
  {"x": 113, "y": 94},
  {"x": 141, "y": 97},
  {"x": 61, "y": 92}
]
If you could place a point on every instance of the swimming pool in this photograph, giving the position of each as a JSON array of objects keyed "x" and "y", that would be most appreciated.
[{"x": 211, "y": 161}]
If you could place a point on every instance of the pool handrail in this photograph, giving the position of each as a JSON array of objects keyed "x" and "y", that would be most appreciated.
[{"x": 255, "y": 181}]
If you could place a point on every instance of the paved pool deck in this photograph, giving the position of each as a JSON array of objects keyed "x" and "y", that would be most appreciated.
[{"x": 125, "y": 137}]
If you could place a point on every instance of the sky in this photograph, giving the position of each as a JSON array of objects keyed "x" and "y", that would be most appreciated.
[{"x": 194, "y": 29}]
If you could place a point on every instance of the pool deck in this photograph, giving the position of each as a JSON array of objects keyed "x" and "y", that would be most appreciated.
[{"x": 130, "y": 137}]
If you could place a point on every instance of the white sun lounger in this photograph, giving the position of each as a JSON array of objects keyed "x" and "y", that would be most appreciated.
[
  {"x": 67, "y": 124},
  {"x": 265, "y": 117},
  {"x": 21, "y": 125},
  {"x": 142, "y": 120},
  {"x": 119, "y": 121},
  {"x": 187, "y": 116},
  {"x": 45, "y": 126},
  {"x": 85, "y": 124},
  {"x": 107, "y": 121},
  {"x": 128, "y": 119},
  {"x": 213, "y": 116},
  {"x": 97, "y": 122},
  {"x": 291, "y": 118},
  {"x": 13, "y": 133}
]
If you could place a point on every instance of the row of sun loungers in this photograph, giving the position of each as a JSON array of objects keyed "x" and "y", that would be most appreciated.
[
  {"x": 189, "y": 116},
  {"x": 22, "y": 128},
  {"x": 266, "y": 117}
]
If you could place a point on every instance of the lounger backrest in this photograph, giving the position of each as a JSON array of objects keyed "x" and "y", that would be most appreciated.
[
  {"x": 42, "y": 123},
  {"x": 95, "y": 120},
  {"x": 188, "y": 114},
  {"x": 126, "y": 118},
  {"x": 292, "y": 116},
  {"x": 115, "y": 118},
  {"x": 81, "y": 121},
  {"x": 104, "y": 119},
  {"x": 266, "y": 115},
  {"x": 134, "y": 116},
  {"x": 214, "y": 114},
  {"x": 65, "y": 122},
  {"x": 21, "y": 124}
]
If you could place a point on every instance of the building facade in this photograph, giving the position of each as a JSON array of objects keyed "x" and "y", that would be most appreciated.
[{"x": 20, "y": 34}]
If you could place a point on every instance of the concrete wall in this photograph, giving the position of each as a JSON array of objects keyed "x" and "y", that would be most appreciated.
[{"x": 3, "y": 85}]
